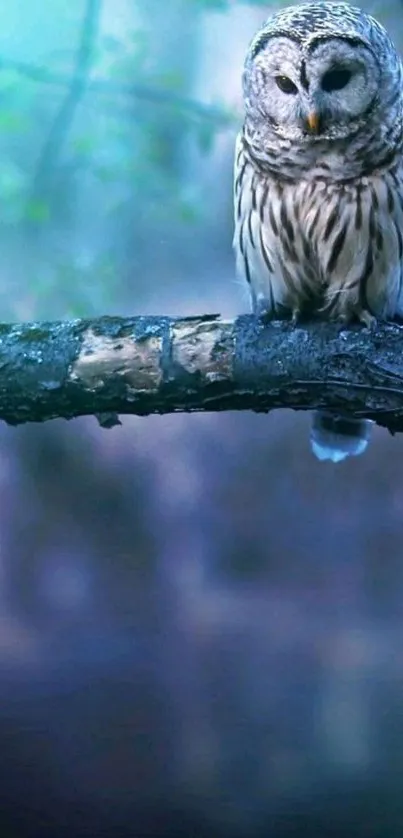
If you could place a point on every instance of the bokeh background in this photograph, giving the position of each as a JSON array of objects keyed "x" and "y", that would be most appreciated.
[{"x": 200, "y": 625}]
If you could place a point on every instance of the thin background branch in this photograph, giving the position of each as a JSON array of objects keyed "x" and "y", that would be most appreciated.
[
  {"x": 105, "y": 87},
  {"x": 51, "y": 149}
]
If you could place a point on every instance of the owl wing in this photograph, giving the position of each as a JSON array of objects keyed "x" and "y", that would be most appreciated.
[
  {"x": 272, "y": 254},
  {"x": 256, "y": 237}
]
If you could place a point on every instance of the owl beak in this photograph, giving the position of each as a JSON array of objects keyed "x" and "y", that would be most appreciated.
[{"x": 313, "y": 122}]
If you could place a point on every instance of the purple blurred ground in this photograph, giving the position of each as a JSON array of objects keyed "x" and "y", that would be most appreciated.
[{"x": 201, "y": 630}]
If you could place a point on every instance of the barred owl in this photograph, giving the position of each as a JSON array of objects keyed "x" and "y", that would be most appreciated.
[{"x": 318, "y": 189}]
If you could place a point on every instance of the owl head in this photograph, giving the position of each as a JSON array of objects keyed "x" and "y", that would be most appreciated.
[{"x": 322, "y": 71}]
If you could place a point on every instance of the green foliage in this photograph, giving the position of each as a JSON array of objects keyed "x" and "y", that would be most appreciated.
[
  {"x": 37, "y": 211},
  {"x": 124, "y": 149},
  {"x": 212, "y": 5},
  {"x": 224, "y": 5}
]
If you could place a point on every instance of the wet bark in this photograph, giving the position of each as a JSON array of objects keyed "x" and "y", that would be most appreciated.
[{"x": 142, "y": 365}]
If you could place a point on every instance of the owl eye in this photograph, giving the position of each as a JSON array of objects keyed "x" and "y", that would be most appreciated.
[
  {"x": 285, "y": 84},
  {"x": 336, "y": 79}
]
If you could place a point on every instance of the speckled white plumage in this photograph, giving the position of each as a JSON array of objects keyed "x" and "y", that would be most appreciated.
[{"x": 319, "y": 215}]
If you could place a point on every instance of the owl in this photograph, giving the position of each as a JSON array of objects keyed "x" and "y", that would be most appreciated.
[{"x": 318, "y": 185}]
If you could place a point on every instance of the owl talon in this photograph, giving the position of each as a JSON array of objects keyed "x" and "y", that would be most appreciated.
[
  {"x": 262, "y": 309},
  {"x": 296, "y": 316},
  {"x": 367, "y": 319}
]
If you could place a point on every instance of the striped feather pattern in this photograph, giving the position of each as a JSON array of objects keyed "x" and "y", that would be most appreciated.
[{"x": 319, "y": 247}]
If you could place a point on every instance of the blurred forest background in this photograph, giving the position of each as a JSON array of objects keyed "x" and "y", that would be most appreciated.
[{"x": 200, "y": 625}]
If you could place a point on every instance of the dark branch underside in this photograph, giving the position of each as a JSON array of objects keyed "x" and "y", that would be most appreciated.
[{"x": 144, "y": 365}]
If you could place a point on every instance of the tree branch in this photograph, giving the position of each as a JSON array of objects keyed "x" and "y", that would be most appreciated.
[
  {"x": 144, "y": 365},
  {"x": 219, "y": 115}
]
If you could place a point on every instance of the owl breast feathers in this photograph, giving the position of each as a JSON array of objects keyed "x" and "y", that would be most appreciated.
[{"x": 318, "y": 187}]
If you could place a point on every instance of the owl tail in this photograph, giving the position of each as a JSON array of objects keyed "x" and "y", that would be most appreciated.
[{"x": 335, "y": 437}]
